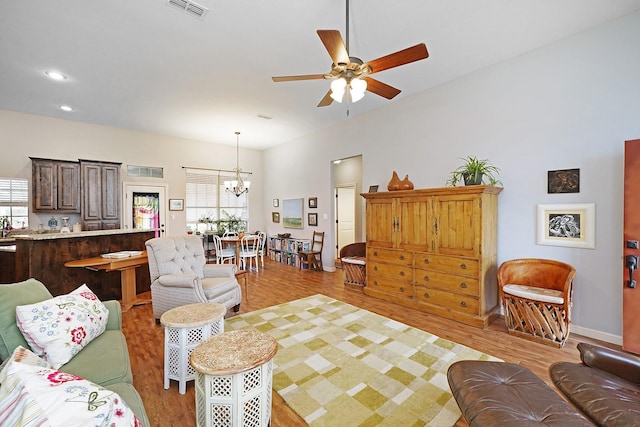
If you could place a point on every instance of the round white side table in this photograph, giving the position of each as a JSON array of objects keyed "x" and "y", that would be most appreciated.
[
  {"x": 184, "y": 328},
  {"x": 234, "y": 373}
]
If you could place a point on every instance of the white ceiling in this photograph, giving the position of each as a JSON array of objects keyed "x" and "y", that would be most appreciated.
[{"x": 143, "y": 65}]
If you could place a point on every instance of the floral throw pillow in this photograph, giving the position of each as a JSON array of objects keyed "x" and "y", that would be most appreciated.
[
  {"x": 58, "y": 328},
  {"x": 33, "y": 394}
]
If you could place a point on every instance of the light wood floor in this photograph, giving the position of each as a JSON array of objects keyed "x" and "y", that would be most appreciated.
[{"x": 279, "y": 283}]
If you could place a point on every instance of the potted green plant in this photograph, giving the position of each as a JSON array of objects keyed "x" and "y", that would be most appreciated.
[{"x": 475, "y": 171}]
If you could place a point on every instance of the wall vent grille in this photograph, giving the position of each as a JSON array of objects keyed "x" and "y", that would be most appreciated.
[{"x": 193, "y": 9}]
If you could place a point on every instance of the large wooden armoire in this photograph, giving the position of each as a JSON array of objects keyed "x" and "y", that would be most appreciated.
[{"x": 435, "y": 250}]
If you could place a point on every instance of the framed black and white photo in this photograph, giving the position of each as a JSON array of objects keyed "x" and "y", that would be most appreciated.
[
  {"x": 373, "y": 189},
  {"x": 571, "y": 225},
  {"x": 313, "y": 219},
  {"x": 176, "y": 204},
  {"x": 313, "y": 202}
]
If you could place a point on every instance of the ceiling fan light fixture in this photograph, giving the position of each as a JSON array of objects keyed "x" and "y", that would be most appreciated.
[
  {"x": 338, "y": 87},
  {"x": 358, "y": 87}
]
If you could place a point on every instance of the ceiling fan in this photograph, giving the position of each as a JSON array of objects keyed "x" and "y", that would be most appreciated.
[{"x": 350, "y": 75}]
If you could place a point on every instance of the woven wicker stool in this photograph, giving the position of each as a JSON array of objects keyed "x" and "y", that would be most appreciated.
[
  {"x": 536, "y": 294},
  {"x": 233, "y": 380},
  {"x": 184, "y": 328}
]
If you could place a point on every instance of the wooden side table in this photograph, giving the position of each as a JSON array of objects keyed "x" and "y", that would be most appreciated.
[
  {"x": 184, "y": 328},
  {"x": 234, "y": 372}
]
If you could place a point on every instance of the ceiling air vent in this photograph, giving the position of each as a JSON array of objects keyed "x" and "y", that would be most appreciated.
[{"x": 193, "y": 9}]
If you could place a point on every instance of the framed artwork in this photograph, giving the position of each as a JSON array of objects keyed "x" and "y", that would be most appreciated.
[
  {"x": 313, "y": 219},
  {"x": 176, "y": 204},
  {"x": 313, "y": 202},
  {"x": 276, "y": 203},
  {"x": 571, "y": 225},
  {"x": 373, "y": 189},
  {"x": 275, "y": 216},
  {"x": 563, "y": 181},
  {"x": 292, "y": 210}
]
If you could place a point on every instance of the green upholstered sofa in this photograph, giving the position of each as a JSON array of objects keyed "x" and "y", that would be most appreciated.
[{"x": 104, "y": 361}]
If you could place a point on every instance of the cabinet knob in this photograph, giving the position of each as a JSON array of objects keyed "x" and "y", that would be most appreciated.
[
  {"x": 401, "y": 289},
  {"x": 426, "y": 261},
  {"x": 426, "y": 278},
  {"x": 463, "y": 285},
  {"x": 375, "y": 268},
  {"x": 463, "y": 266},
  {"x": 375, "y": 253},
  {"x": 402, "y": 273},
  {"x": 375, "y": 283},
  {"x": 426, "y": 294},
  {"x": 463, "y": 304},
  {"x": 401, "y": 257}
]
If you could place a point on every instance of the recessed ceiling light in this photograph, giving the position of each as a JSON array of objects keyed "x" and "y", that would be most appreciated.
[
  {"x": 65, "y": 108},
  {"x": 55, "y": 75},
  {"x": 337, "y": 162}
]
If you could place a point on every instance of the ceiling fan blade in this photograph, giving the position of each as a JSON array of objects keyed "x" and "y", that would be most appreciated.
[
  {"x": 382, "y": 89},
  {"x": 334, "y": 44},
  {"x": 293, "y": 78},
  {"x": 405, "y": 56},
  {"x": 327, "y": 100}
]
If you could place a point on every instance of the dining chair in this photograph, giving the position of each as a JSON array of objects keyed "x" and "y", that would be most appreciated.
[
  {"x": 223, "y": 254},
  {"x": 230, "y": 234},
  {"x": 312, "y": 258},
  {"x": 249, "y": 251},
  {"x": 262, "y": 248}
]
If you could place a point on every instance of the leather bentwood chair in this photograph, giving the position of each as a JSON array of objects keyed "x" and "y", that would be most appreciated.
[
  {"x": 537, "y": 296},
  {"x": 313, "y": 257},
  {"x": 180, "y": 276}
]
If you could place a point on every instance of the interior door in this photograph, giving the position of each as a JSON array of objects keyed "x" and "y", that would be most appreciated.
[
  {"x": 631, "y": 252},
  {"x": 345, "y": 216}
]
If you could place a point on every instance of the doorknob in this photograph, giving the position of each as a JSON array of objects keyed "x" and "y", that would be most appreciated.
[{"x": 631, "y": 262}]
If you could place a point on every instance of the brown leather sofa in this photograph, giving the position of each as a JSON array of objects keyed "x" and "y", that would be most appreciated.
[{"x": 605, "y": 387}]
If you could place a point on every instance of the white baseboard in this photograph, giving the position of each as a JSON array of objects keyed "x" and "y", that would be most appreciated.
[{"x": 596, "y": 335}]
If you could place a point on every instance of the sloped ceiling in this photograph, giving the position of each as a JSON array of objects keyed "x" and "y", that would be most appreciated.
[{"x": 144, "y": 65}]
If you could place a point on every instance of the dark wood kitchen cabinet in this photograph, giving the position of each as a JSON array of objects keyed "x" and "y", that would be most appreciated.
[
  {"x": 55, "y": 185},
  {"x": 101, "y": 195}
]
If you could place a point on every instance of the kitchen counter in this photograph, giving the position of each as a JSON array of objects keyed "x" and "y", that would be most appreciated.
[
  {"x": 43, "y": 255},
  {"x": 48, "y": 235}
]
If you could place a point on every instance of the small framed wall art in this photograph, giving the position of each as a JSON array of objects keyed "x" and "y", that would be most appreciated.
[
  {"x": 276, "y": 203},
  {"x": 313, "y": 202},
  {"x": 275, "y": 216},
  {"x": 563, "y": 181},
  {"x": 312, "y": 219},
  {"x": 571, "y": 225},
  {"x": 176, "y": 204},
  {"x": 373, "y": 189}
]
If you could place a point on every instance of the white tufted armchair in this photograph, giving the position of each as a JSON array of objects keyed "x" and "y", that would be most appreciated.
[{"x": 179, "y": 275}]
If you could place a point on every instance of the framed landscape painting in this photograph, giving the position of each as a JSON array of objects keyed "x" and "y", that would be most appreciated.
[{"x": 292, "y": 210}]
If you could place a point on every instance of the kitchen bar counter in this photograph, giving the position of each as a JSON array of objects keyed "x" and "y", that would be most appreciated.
[{"x": 43, "y": 255}]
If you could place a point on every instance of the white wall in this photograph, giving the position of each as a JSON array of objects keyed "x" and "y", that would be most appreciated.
[
  {"x": 24, "y": 135},
  {"x": 568, "y": 105}
]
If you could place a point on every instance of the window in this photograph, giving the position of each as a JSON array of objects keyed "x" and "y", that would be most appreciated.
[
  {"x": 208, "y": 205},
  {"x": 14, "y": 201}
]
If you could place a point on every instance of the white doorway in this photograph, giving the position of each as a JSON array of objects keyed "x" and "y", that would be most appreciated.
[
  {"x": 132, "y": 192},
  {"x": 345, "y": 216}
]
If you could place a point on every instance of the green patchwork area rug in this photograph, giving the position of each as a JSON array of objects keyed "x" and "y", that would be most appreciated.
[{"x": 339, "y": 365}]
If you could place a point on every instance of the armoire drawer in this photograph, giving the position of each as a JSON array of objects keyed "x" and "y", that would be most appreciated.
[
  {"x": 390, "y": 286},
  {"x": 389, "y": 255},
  {"x": 461, "y": 284},
  {"x": 393, "y": 271},
  {"x": 452, "y": 301},
  {"x": 448, "y": 264}
]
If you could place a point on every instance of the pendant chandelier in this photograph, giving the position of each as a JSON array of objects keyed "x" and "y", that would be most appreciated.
[{"x": 237, "y": 186}]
